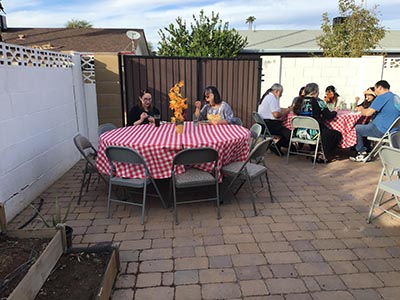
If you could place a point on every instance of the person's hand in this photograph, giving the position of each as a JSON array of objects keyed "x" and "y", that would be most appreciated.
[
  {"x": 143, "y": 116},
  {"x": 213, "y": 122},
  {"x": 151, "y": 120},
  {"x": 197, "y": 104},
  {"x": 357, "y": 99}
]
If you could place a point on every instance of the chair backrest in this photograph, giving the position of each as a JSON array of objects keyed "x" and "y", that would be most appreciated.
[
  {"x": 83, "y": 144},
  {"x": 260, "y": 149},
  {"x": 195, "y": 156},
  {"x": 395, "y": 124},
  {"x": 390, "y": 159},
  {"x": 394, "y": 139},
  {"x": 124, "y": 155},
  {"x": 237, "y": 121},
  {"x": 304, "y": 122},
  {"x": 255, "y": 132},
  {"x": 257, "y": 117},
  {"x": 105, "y": 127}
]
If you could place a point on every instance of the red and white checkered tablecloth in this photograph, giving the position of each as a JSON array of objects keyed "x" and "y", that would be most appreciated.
[
  {"x": 158, "y": 146},
  {"x": 344, "y": 122}
]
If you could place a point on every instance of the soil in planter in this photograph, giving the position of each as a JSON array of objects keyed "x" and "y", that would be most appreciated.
[
  {"x": 76, "y": 276},
  {"x": 16, "y": 257}
]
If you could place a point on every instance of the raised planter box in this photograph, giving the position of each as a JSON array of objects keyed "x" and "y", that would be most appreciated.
[{"x": 34, "y": 279}]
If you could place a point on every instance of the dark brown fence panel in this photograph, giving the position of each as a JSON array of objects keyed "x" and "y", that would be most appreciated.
[{"x": 238, "y": 80}]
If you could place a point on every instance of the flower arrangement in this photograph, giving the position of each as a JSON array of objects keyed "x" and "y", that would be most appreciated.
[{"x": 177, "y": 102}]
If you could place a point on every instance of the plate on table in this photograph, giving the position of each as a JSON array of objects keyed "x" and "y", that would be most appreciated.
[{"x": 203, "y": 122}]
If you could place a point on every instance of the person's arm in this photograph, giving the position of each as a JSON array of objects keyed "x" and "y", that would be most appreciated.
[{"x": 366, "y": 111}]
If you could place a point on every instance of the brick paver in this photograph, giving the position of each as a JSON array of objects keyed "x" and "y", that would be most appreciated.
[{"x": 312, "y": 243}]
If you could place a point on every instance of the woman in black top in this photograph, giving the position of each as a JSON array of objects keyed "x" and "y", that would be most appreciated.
[
  {"x": 318, "y": 109},
  {"x": 144, "y": 111}
]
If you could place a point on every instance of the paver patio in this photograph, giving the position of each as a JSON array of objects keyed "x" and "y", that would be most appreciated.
[{"x": 312, "y": 243}]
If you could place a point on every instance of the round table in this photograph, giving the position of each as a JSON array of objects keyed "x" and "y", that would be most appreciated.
[
  {"x": 158, "y": 146},
  {"x": 344, "y": 122}
]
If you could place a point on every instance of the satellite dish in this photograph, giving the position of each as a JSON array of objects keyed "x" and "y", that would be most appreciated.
[{"x": 133, "y": 35}]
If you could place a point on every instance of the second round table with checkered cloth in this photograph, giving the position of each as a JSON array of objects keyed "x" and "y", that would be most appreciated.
[
  {"x": 343, "y": 122},
  {"x": 158, "y": 146}
]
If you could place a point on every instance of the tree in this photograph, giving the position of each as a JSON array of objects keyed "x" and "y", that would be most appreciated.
[
  {"x": 74, "y": 23},
  {"x": 207, "y": 37},
  {"x": 356, "y": 32},
  {"x": 250, "y": 20}
]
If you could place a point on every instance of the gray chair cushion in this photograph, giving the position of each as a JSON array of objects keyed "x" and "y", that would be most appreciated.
[
  {"x": 132, "y": 182},
  {"x": 193, "y": 177},
  {"x": 254, "y": 170}
]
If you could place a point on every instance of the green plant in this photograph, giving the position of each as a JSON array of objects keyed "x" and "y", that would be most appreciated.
[{"x": 57, "y": 217}]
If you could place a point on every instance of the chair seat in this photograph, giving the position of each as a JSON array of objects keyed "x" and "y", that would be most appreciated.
[
  {"x": 130, "y": 182},
  {"x": 392, "y": 187},
  {"x": 254, "y": 170},
  {"x": 194, "y": 177},
  {"x": 310, "y": 142}
]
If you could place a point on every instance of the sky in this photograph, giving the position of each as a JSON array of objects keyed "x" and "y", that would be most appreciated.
[{"x": 153, "y": 15}]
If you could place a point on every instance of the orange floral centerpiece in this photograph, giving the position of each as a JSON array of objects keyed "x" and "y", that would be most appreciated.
[{"x": 178, "y": 104}]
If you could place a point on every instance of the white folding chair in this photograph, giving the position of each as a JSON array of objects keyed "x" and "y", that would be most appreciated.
[
  {"x": 389, "y": 182},
  {"x": 305, "y": 123},
  {"x": 379, "y": 142}
]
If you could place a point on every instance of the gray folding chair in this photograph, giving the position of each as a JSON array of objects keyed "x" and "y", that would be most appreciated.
[
  {"x": 194, "y": 177},
  {"x": 89, "y": 153},
  {"x": 237, "y": 121},
  {"x": 129, "y": 156},
  {"x": 379, "y": 142},
  {"x": 388, "y": 182},
  {"x": 105, "y": 127},
  {"x": 255, "y": 133},
  {"x": 266, "y": 134},
  {"x": 305, "y": 123},
  {"x": 247, "y": 172}
]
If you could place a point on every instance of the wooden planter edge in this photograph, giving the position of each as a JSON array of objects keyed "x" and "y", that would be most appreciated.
[
  {"x": 33, "y": 281},
  {"x": 109, "y": 276}
]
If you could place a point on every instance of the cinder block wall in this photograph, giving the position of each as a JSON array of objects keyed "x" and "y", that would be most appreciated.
[{"x": 38, "y": 119}]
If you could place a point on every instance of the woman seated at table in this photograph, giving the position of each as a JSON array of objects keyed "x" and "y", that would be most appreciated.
[
  {"x": 215, "y": 111},
  {"x": 330, "y": 138},
  {"x": 144, "y": 111},
  {"x": 332, "y": 98},
  {"x": 369, "y": 96}
]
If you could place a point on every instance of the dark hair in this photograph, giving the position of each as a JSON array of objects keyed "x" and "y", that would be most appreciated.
[
  {"x": 311, "y": 88},
  {"x": 141, "y": 94},
  {"x": 297, "y": 104},
  {"x": 332, "y": 89},
  {"x": 384, "y": 84},
  {"x": 214, "y": 90},
  {"x": 301, "y": 91}
]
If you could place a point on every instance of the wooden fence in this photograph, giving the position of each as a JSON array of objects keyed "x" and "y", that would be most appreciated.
[{"x": 238, "y": 81}]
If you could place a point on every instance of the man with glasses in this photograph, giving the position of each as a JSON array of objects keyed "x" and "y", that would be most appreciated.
[{"x": 270, "y": 110}]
